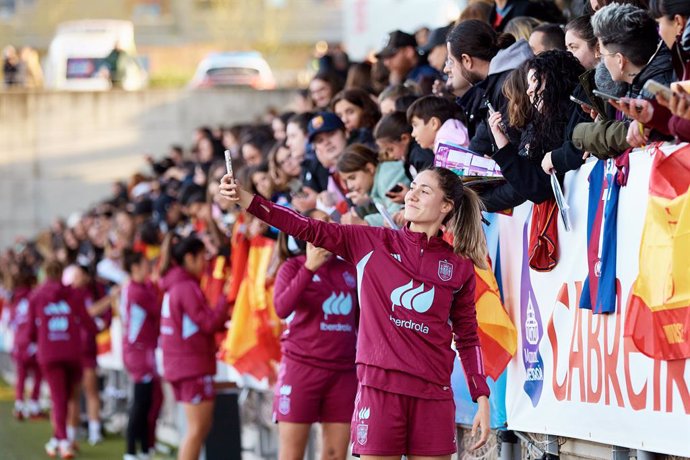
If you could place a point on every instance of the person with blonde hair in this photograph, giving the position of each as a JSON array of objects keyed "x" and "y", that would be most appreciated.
[{"x": 416, "y": 293}]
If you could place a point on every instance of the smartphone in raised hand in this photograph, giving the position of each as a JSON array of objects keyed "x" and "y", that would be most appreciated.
[
  {"x": 501, "y": 125},
  {"x": 228, "y": 164}
]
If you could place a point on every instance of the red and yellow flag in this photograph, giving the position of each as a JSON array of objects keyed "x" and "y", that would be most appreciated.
[
  {"x": 497, "y": 333},
  {"x": 658, "y": 319},
  {"x": 252, "y": 345}
]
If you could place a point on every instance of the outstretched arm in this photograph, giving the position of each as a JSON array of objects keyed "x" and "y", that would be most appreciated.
[{"x": 347, "y": 241}]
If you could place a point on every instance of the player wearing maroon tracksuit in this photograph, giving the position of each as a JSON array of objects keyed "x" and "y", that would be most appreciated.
[
  {"x": 187, "y": 330},
  {"x": 317, "y": 381},
  {"x": 415, "y": 292},
  {"x": 24, "y": 355},
  {"x": 56, "y": 319},
  {"x": 141, "y": 311},
  {"x": 98, "y": 305}
]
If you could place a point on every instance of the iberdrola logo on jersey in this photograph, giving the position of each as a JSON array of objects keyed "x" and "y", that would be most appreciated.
[
  {"x": 412, "y": 298},
  {"x": 337, "y": 304}
]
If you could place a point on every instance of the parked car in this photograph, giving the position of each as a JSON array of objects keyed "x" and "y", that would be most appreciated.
[
  {"x": 76, "y": 58},
  {"x": 226, "y": 69}
]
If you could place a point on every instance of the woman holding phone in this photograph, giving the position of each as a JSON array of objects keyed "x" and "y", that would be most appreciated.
[
  {"x": 666, "y": 115},
  {"x": 411, "y": 285}
]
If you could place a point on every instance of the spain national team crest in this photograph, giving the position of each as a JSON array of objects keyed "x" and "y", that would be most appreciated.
[
  {"x": 445, "y": 270},
  {"x": 362, "y": 427},
  {"x": 362, "y": 430},
  {"x": 284, "y": 400}
]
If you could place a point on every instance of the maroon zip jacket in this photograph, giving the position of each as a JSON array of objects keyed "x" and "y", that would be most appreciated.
[
  {"x": 141, "y": 314},
  {"x": 414, "y": 294},
  {"x": 321, "y": 308},
  {"x": 19, "y": 321},
  {"x": 56, "y": 318},
  {"x": 187, "y": 327}
]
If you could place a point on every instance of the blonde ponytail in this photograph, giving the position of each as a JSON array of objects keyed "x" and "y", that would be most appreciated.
[{"x": 466, "y": 225}]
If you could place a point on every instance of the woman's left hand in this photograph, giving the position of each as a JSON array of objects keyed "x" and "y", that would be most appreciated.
[
  {"x": 482, "y": 420},
  {"x": 495, "y": 122}
]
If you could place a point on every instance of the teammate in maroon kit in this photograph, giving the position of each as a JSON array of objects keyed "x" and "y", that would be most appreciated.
[
  {"x": 57, "y": 317},
  {"x": 141, "y": 311},
  {"x": 97, "y": 304},
  {"x": 187, "y": 340},
  {"x": 317, "y": 381},
  {"x": 23, "y": 349},
  {"x": 415, "y": 292}
]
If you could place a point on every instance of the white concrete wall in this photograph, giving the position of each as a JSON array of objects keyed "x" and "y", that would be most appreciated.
[{"x": 60, "y": 152}]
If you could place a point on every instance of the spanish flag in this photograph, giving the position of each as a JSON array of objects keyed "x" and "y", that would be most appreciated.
[
  {"x": 658, "y": 318},
  {"x": 214, "y": 279},
  {"x": 239, "y": 255},
  {"x": 497, "y": 333},
  {"x": 252, "y": 345}
]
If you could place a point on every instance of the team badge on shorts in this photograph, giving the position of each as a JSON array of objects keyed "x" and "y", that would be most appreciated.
[
  {"x": 445, "y": 270},
  {"x": 284, "y": 400},
  {"x": 362, "y": 427}
]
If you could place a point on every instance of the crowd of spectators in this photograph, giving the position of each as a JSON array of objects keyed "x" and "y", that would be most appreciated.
[{"x": 513, "y": 80}]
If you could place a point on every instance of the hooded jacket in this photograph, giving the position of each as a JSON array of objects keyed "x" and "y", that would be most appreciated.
[
  {"x": 141, "y": 314},
  {"x": 321, "y": 310},
  {"x": 187, "y": 327},
  {"x": 500, "y": 67},
  {"x": 57, "y": 317},
  {"x": 452, "y": 131},
  {"x": 388, "y": 175},
  {"x": 414, "y": 294}
]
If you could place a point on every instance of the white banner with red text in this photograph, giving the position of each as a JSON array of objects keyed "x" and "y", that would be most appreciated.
[{"x": 575, "y": 373}]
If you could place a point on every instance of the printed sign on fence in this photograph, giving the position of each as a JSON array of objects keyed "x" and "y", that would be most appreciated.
[{"x": 577, "y": 373}]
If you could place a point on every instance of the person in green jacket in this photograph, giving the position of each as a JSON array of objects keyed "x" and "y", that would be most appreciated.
[{"x": 369, "y": 182}]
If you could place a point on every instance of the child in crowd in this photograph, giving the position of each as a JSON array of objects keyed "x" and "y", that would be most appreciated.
[
  {"x": 140, "y": 324},
  {"x": 394, "y": 139},
  {"x": 434, "y": 120},
  {"x": 368, "y": 182}
]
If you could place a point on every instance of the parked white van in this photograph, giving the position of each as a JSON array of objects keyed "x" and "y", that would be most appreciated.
[{"x": 77, "y": 53}]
